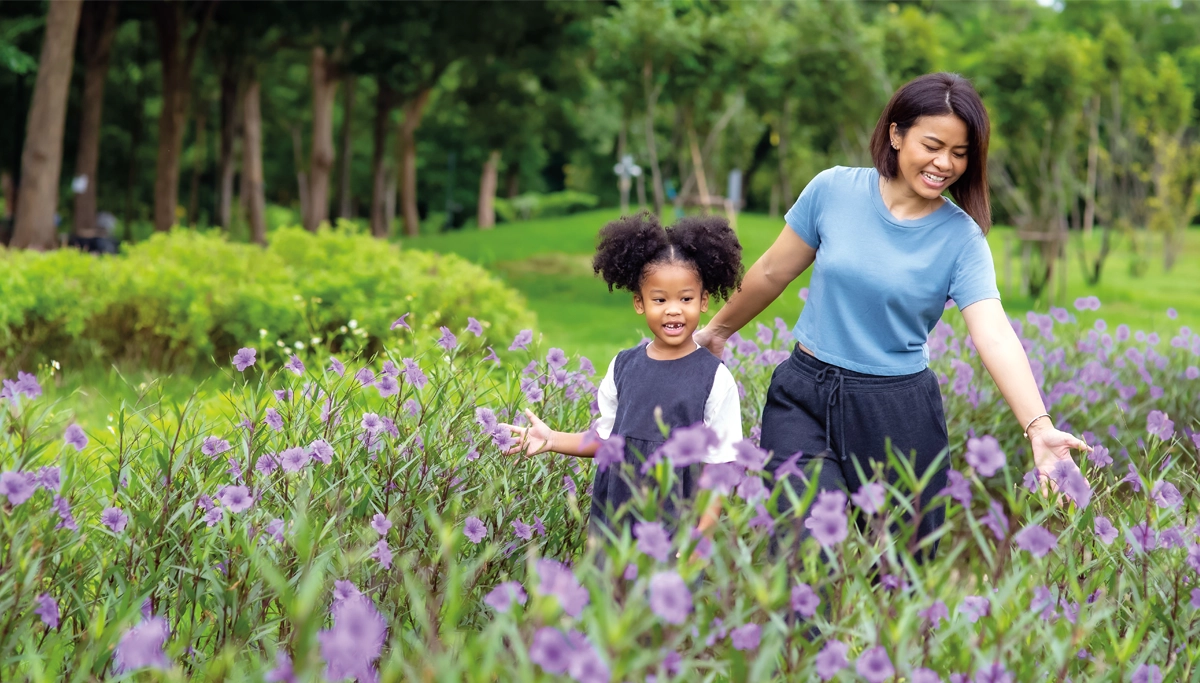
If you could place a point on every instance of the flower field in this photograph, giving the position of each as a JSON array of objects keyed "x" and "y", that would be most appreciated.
[{"x": 337, "y": 518}]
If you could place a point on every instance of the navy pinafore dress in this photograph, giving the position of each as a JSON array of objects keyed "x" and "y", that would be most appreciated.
[{"x": 680, "y": 388}]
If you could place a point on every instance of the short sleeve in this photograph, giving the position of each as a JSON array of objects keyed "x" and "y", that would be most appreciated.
[
  {"x": 974, "y": 276},
  {"x": 723, "y": 414},
  {"x": 802, "y": 217},
  {"x": 606, "y": 397}
]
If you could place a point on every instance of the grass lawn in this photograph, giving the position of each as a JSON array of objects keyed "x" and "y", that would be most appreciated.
[{"x": 549, "y": 261}]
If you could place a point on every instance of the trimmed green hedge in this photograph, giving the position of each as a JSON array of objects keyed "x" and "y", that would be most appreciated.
[{"x": 181, "y": 297}]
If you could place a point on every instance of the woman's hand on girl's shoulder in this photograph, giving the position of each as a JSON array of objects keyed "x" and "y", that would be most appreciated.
[
  {"x": 535, "y": 439},
  {"x": 710, "y": 340}
]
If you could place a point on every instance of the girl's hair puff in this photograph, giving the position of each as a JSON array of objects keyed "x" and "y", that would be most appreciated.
[{"x": 630, "y": 245}]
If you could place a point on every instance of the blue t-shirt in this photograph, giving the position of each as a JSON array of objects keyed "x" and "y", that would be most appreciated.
[{"x": 880, "y": 284}]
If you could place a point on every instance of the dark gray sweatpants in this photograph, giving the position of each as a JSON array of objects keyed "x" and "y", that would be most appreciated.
[{"x": 836, "y": 417}]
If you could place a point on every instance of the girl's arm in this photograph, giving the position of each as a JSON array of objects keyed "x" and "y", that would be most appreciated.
[
  {"x": 1005, "y": 360},
  {"x": 538, "y": 438},
  {"x": 787, "y": 258}
]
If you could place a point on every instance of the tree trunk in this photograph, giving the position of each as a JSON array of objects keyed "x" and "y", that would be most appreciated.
[
  {"x": 512, "y": 179},
  {"x": 302, "y": 185},
  {"x": 252, "y": 164},
  {"x": 380, "y": 225},
  {"x": 229, "y": 126},
  {"x": 99, "y": 21},
  {"x": 785, "y": 185},
  {"x": 413, "y": 109},
  {"x": 176, "y": 74},
  {"x": 135, "y": 143},
  {"x": 6, "y": 193},
  {"x": 485, "y": 217},
  {"x": 345, "y": 200},
  {"x": 698, "y": 164},
  {"x": 199, "y": 158},
  {"x": 41, "y": 159},
  {"x": 1089, "y": 198},
  {"x": 324, "y": 87},
  {"x": 651, "y": 94}
]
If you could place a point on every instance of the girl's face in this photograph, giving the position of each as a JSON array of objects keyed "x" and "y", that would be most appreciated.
[
  {"x": 672, "y": 297},
  {"x": 932, "y": 155}
]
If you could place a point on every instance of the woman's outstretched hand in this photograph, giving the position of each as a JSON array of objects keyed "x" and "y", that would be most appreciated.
[
  {"x": 710, "y": 340},
  {"x": 535, "y": 439},
  {"x": 1052, "y": 446}
]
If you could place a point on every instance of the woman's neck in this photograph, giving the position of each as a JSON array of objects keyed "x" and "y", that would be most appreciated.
[{"x": 903, "y": 203}]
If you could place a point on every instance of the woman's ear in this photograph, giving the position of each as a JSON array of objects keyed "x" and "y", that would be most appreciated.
[
  {"x": 893, "y": 136},
  {"x": 638, "y": 305},
  {"x": 704, "y": 302}
]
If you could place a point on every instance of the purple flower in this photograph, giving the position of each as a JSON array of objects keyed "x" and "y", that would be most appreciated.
[
  {"x": 141, "y": 647},
  {"x": 522, "y": 530},
  {"x": 491, "y": 355},
  {"x": 521, "y": 341},
  {"x": 336, "y": 366},
  {"x": 266, "y": 463},
  {"x": 293, "y": 459},
  {"x": 295, "y": 365},
  {"x": 26, "y": 384},
  {"x": 1165, "y": 495},
  {"x": 380, "y": 524},
  {"x": 555, "y": 358},
  {"x": 371, "y": 423},
  {"x": 236, "y": 498},
  {"x": 569, "y": 484},
  {"x": 586, "y": 665},
  {"x": 214, "y": 446},
  {"x": 973, "y": 607},
  {"x": 874, "y": 665},
  {"x": 923, "y": 675},
  {"x": 447, "y": 341},
  {"x": 213, "y": 517},
  {"x": 49, "y": 478},
  {"x": 832, "y": 659},
  {"x": 686, "y": 446},
  {"x": 1158, "y": 424},
  {"x": 75, "y": 437},
  {"x": 17, "y": 486},
  {"x": 65, "y": 519},
  {"x": 355, "y": 641},
  {"x": 720, "y": 477},
  {"x": 934, "y": 614},
  {"x": 1036, "y": 540},
  {"x": 365, "y": 377},
  {"x": 1134, "y": 479},
  {"x": 550, "y": 650},
  {"x": 670, "y": 598},
  {"x": 984, "y": 455},
  {"x": 1142, "y": 537},
  {"x": 1105, "y": 531},
  {"x": 474, "y": 529},
  {"x": 474, "y": 327},
  {"x": 829, "y": 529},
  {"x": 610, "y": 453},
  {"x": 761, "y": 520},
  {"x": 383, "y": 554},
  {"x": 559, "y": 581},
  {"x": 993, "y": 673},
  {"x": 399, "y": 322},
  {"x": 1099, "y": 456},
  {"x": 1196, "y": 598},
  {"x": 344, "y": 589},
  {"x": 413, "y": 374},
  {"x": 1030, "y": 481},
  {"x": 805, "y": 600},
  {"x": 244, "y": 358},
  {"x": 1071, "y": 482},
  {"x": 746, "y": 454},
  {"x": 114, "y": 518},
  {"x": 652, "y": 540},
  {"x": 387, "y": 386},
  {"x": 321, "y": 451},
  {"x": 273, "y": 419},
  {"x": 47, "y": 609},
  {"x": 870, "y": 497},
  {"x": 746, "y": 637},
  {"x": 282, "y": 673},
  {"x": 1147, "y": 673},
  {"x": 503, "y": 596},
  {"x": 957, "y": 487}
]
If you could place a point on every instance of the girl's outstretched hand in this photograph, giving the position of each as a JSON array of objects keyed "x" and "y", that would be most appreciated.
[{"x": 534, "y": 439}]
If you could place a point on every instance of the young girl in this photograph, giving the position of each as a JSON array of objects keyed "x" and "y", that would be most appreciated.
[{"x": 671, "y": 273}]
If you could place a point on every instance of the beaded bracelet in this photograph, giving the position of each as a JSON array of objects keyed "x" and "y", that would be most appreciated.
[{"x": 1026, "y": 432}]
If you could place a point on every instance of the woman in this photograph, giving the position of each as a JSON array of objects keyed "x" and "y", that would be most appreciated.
[{"x": 888, "y": 251}]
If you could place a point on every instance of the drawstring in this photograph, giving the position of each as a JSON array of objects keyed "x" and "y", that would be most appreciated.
[{"x": 835, "y": 395}]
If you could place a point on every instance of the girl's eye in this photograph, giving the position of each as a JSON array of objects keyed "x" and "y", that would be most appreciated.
[{"x": 687, "y": 299}]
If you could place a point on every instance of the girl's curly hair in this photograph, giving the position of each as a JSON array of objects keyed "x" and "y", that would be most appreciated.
[{"x": 631, "y": 245}]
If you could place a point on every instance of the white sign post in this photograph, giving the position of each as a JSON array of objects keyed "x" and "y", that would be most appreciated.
[
  {"x": 733, "y": 196},
  {"x": 626, "y": 170}
]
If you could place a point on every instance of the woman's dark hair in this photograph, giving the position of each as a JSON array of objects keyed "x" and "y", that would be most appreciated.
[
  {"x": 937, "y": 95},
  {"x": 630, "y": 245}
]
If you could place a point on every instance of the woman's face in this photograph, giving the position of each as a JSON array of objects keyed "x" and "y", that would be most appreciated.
[{"x": 932, "y": 155}]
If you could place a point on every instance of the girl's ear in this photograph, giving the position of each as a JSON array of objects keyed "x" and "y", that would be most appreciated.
[
  {"x": 704, "y": 302},
  {"x": 638, "y": 305}
]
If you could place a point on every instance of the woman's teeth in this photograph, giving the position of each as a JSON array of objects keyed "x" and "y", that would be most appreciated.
[{"x": 936, "y": 179}]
